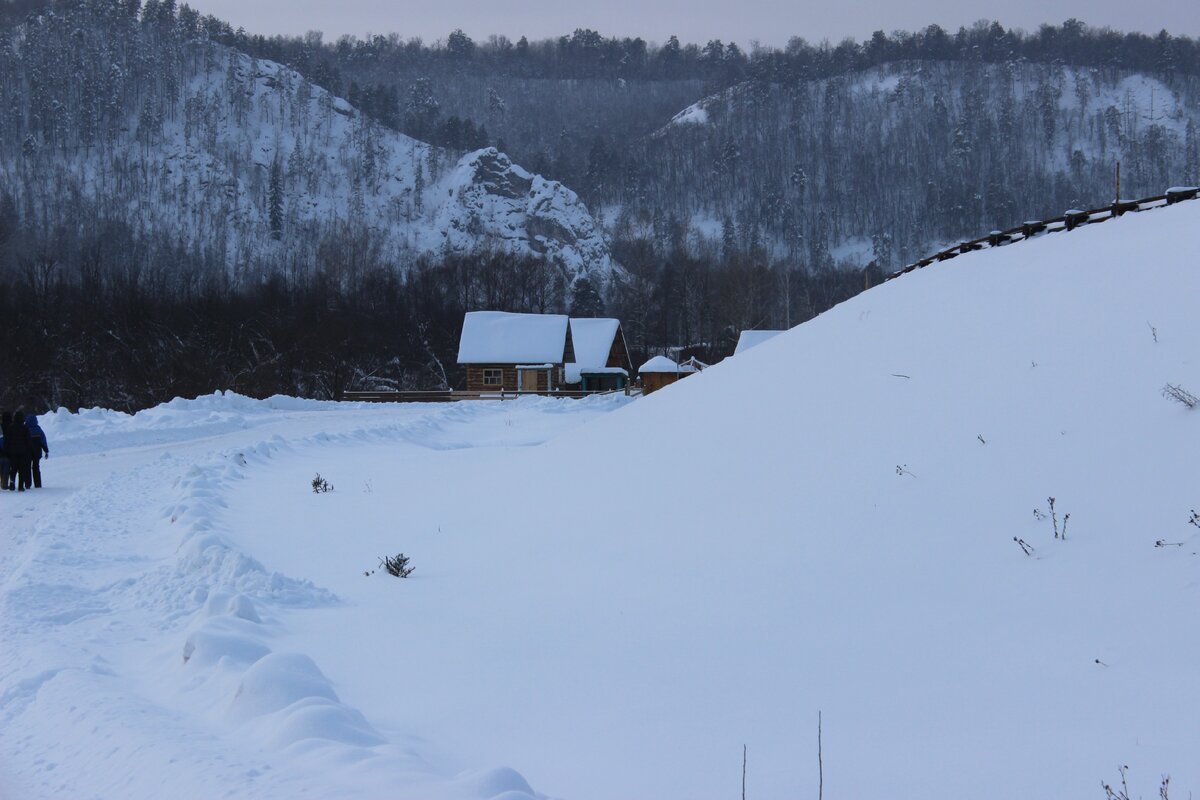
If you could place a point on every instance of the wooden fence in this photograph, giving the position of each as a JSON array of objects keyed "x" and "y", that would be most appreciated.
[
  {"x": 453, "y": 396},
  {"x": 1067, "y": 222}
]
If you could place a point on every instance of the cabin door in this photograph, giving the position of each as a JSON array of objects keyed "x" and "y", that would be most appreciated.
[{"x": 529, "y": 380}]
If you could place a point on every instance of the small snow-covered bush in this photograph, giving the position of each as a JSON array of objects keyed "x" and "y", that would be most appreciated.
[
  {"x": 320, "y": 485},
  {"x": 397, "y": 565}
]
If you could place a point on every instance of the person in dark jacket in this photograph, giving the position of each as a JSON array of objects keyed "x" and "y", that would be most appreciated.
[
  {"x": 38, "y": 437},
  {"x": 18, "y": 444},
  {"x": 6, "y": 481}
]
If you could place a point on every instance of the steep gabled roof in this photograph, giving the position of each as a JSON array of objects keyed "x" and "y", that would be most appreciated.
[
  {"x": 499, "y": 337},
  {"x": 593, "y": 340}
]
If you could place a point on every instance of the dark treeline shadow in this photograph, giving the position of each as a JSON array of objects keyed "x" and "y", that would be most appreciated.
[{"x": 103, "y": 318}]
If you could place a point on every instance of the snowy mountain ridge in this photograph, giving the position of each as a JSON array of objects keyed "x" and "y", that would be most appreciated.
[{"x": 250, "y": 163}]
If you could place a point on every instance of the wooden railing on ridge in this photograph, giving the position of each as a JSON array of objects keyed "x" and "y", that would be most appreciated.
[{"x": 1069, "y": 221}]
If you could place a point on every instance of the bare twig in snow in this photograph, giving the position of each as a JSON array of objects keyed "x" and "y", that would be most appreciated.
[
  {"x": 820, "y": 762},
  {"x": 1117, "y": 794},
  {"x": 1180, "y": 395}
]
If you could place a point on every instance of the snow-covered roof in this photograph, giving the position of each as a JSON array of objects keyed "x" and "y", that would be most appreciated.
[
  {"x": 592, "y": 340},
  {"x": 659, "y": 364},
  {"x": 750, "y": 339},
  {"x": 500, "y": 337},
  {"x": 604, "y": 371}
]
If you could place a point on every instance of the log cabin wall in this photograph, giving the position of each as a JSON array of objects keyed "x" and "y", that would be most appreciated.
[
  {"x": 547, "y": 380},
  {"x": 475, "y": 378}
]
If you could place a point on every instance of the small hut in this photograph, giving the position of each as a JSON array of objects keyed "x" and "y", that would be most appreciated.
[{"x": 660, "y": 371}]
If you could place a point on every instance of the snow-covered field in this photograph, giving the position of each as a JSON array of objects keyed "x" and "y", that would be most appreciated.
[{"x": 611, "y": 598}]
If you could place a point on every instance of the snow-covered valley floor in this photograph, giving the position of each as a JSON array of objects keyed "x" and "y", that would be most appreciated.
[
  {"x": 132, "y": 616},
  {"x": 612, "y": 597}
]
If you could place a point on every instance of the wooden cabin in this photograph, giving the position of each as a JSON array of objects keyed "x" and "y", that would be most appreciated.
[
  {"x": 510, "y": 352},
  {"x": 601, "y": 356}
]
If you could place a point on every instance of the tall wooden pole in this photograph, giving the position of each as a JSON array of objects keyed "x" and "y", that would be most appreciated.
[{"x": 1118, "y": 181}]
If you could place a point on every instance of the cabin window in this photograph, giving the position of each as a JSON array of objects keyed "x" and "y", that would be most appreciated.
[{"x": 493, "y": 377}]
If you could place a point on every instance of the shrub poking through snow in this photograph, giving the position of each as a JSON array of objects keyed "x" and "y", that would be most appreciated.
[
  {"x": 397, "y": 565},
  {"x": 1122, "y": 792},
  {"x": 1058, "y": 533},
  {"x": 1180, "y": 395},
  {"x": 1195, "y": 520},
  {"x": 320, "y": 485},
  {"x": 1024, "y": 545}
]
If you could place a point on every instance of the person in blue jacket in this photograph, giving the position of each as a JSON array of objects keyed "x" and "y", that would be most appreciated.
[
  {"x": 6, "y": 470},
  {"x": 40, "y": 445},
  {"x": 18, "y": 446}
]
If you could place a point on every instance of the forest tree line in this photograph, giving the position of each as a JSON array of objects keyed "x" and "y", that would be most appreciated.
[{"x": 93, "y": 318}]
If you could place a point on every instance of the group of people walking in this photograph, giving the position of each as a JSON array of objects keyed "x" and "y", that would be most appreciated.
[{"x": 22, "y": 445}]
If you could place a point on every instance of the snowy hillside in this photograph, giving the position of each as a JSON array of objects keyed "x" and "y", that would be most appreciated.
[
  {"x": 836, "y": 521},
  {"x": 243, "y": 160},
  {"x": 889, "y": 163}
]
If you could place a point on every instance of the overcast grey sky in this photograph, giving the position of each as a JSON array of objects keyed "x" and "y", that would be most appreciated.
[{"x": 771, "y": 22}]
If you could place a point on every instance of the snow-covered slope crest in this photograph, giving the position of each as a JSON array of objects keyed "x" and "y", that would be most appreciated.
[
  {"x": 200, "y": 171},
  {"x": 881, "y": 488}
]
